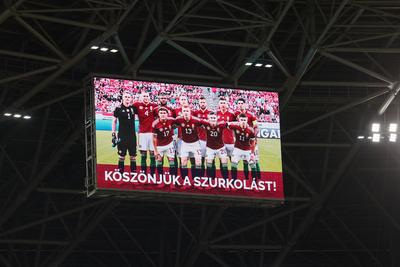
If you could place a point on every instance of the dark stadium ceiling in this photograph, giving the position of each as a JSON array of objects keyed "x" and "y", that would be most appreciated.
[{"x": 334, "y": 63}]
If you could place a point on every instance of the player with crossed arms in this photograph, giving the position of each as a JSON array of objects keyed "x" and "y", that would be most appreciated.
[
  {"x": 163, "y": 132},
  {"x": 215, "y": 146},
  {"x": 190, "y": 146},
  {"x": 244, "y": 145}
]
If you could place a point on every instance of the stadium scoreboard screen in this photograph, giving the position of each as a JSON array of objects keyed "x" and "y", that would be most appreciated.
[{"x": 162, "y": 140}]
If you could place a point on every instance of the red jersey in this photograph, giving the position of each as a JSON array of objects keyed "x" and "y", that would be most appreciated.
[
  {"x": 188, "y": 128},
  {"x": 177, "y": 112},
  {"x": 214, "y": 134},
  {"x": 164, "y": 131},
  {"x": 145, "y": 115},
  {"x": 170, "y": 111},
  {"x": 250, "y": 117},
  {"x": 227, "y": 134},
  {"x": 203, "y": 115},
  {"x": 243, "y": 136}
]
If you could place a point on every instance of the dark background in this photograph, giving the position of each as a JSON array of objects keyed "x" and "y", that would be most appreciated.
[{"x": 335, "y": 62}]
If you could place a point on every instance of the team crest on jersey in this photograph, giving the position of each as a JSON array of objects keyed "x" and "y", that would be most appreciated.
[
  {"x": 183, "y": 125},
  {"x": 208, "y": 128},
  {"x": 192, "y": 125},
  {"x": 141, "y": 107},
  {"x": 237, "y": 131},
  {"x": 151, "y": 108},
  {"x": 161, "y": 129}
]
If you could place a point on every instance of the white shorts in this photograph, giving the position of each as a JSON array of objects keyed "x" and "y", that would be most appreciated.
[
  {"x": 229, "y": 149},
  {"x": 203, "y": 148},
  {"x": 239, "y": 154},
  {"x": 220, "y": 153},
  {"x": 146, "y": 142},
  {"x": 168, "y": 150},
  {"x": 190, "y": 150}
]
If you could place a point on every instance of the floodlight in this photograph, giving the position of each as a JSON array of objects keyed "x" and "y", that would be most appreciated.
[
  {"x": 360, "y": 137},
  {"x": 268, "y": 65},
  {"x": 376, "y": 137},
  {"x": 27, "y": 117},
  {"x": 114, "y": 50},
  {"x": 258, "y": 65},
  {"x": 17, "y": 115},
  {"x": 369, "y": 137},
  {"x": 393, "y": 127},
  {"x": 375, "y": 127},
  {"x": 104, "y": 49},
  {"x": 248, "y": 64},
  {"x": 393, "y": 137},
  {"x": 94, "y": 47},
  {"x": 7, "y": 114}
]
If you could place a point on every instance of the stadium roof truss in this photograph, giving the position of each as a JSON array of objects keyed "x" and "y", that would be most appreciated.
[{"x": 335, "y": 65}]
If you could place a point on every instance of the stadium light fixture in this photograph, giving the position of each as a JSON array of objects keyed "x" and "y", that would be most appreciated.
[
  {"x": 27, "y": 117},
  {"x": 360, "y": 137},
  {"x": 393, "y": 127},
  {"x": 268, "y": 65},
  {"x": 392, "y": 137},
  {"x": 248, "y": 64},
  {"x": 7, "y": 114},
  {"x": 114, "y": 50},
  {"x": 104, "y": 49},
  {"x": 17, "y": 116},
  {"x": 369, "y": 137},
  {"x": 258, "y": 65},
  {"x": 376, "y": 137},
  {"x": 94, "y": 47},
  {"x": 375, "y": 127}
]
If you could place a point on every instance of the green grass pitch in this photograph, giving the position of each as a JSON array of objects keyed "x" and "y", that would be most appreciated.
[{"x": 269, "y": 150}]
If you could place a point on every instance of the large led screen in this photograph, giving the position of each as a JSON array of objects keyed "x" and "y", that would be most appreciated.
[{"x": 187, "y": 140}]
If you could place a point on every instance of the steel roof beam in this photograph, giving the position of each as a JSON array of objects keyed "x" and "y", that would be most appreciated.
[
  {"x": 357, "y": 67},
  {"x": 67, "y": 64},
  {"x": 292, "y": 82},
  {"x": 8, "y": 12},
  {"x": 159, "y": 38},
  {"x": 196, "y": 58},
  {"x": 212, "y": 41},
  {"x": 264, "y": 46},
  {"x": 336, "y": 111},
  {"x": 41, "y": 38},
  {"x": 63, "y": 21},
  {"x": 58, "y": 258},
  {"x": 317, "y": 206},
  {"x": 204, "y": 236},
  {"x": 27, "y": 74},
  {"x": 29, "y": 56}
]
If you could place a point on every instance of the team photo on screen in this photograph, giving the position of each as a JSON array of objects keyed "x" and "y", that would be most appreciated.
[{"x": 179, "y": 138}]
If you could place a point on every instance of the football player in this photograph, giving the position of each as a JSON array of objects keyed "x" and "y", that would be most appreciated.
[
  {"x": 252, "y": 121},
  {"x": 225, "y": 115},
  {"x": 145, "y": 112},
  {"x": 244, "y": 145},
  {"x": 215, "y": 145},
  {"x": 202, "y": 113},
  {"x": 163, "y": 132},
  {"x": 190, "y": 145},
  {"x": 125, "y": 137},
  {"x": 163, "y": 103}
]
